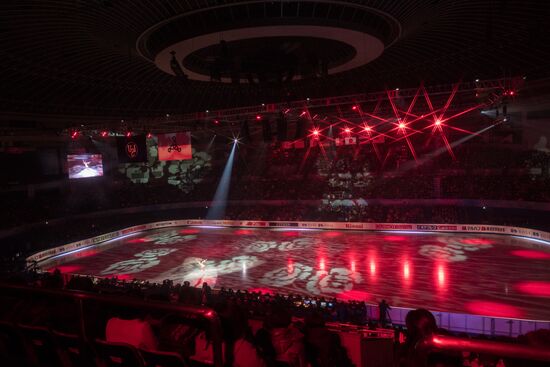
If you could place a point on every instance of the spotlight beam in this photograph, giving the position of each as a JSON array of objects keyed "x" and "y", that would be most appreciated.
[{"x": 219, "y": 203}]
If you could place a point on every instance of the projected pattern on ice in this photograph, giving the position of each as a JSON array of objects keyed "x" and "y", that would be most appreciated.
[{"x": 495, "y": 275}]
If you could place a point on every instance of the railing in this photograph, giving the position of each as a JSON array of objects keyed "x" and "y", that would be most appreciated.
[
  {"x": 468, "y": 323},
  {"x": 81, "y": 299},
  {"x": 453, "y": 344}
]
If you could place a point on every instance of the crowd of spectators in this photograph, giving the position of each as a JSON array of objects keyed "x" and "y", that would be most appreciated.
[
  {"x": 339, "y": 175},
  {"x": 258, "y": 329}
]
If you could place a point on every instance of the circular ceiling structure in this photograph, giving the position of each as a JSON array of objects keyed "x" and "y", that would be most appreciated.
[
  {"x": 364, "y": 49},
  {"x": 175, "y": 44},
  {"x": 115, "y": 58}
]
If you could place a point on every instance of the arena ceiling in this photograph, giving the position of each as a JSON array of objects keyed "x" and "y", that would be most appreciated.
[{"x": 115, "y": 58}]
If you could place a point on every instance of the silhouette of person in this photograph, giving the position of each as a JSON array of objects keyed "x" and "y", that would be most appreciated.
[{"x": 384, "y": 310}]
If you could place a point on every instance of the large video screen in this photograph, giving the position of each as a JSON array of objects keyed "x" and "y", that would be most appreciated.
[{"x": 85, "y": 165}]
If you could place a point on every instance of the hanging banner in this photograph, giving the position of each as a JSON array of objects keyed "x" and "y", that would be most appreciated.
[
  {"x": 131, "y": 149},
  {"x": 175, "y": 146}
]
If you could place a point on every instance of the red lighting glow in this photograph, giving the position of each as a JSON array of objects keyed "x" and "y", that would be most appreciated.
[
  {"x": 66, "y": 268},
  {"x": 441, "y": 276},
  {"x": 104, "y": 133},
  {"x": 291, "y": 234},
  {"x": 315, "y": 132},
  {"x": 486, "y": 308},
  {"x": 354, "y": 108},
  {"x": 367, "y": 128},
  {"x": 401, "y": 125},
  {"x": 138, "y": 240},
  {"x": 74, "y": 135},
  {"x": 243, "y": 232},
  {"x": 535, "y": 288},
  {"x": 123, "y": 277},
  {"x": 406, "y": 270},
  {"x": 149, "y": 136},
  {"x": 322, "y": 263},
  {"x": 347, "y": 130},
  {"x": 477, "y": 241},
  {"x": 128, "y": 134},
  {"x": 531, "y": 254},
  {"x": 437, "y": 122},
  {"x": 258, "y": 117},
  {"x": 372, "y": 266}
]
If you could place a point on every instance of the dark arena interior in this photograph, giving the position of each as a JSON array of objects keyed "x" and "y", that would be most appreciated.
[{"x": 288, "y": 183}]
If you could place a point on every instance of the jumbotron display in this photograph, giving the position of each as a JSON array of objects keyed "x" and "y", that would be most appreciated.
[{"x": 84, "y": 165}]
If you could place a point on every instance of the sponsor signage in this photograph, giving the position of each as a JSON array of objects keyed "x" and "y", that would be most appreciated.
[
  {"x": 468, "y": 228},
  {"x": 393, "y": 226}
]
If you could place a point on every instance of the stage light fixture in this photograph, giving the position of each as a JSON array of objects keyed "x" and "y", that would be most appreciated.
[
  {"x": 354, "y": 108},
  {"x": 347, "y": 130},
  {"x": 104, "y": 133},
  {"x": 367, "y": 128},
  {"x": 438, "y": 122},
  {"x": 315, "y": 132},
  {"x": 258, "y": 117},
  {"x": 401, "y": 125},
  {"x": 74, "y": 134}
]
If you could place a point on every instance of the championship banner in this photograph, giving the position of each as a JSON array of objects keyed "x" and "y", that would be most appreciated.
[
  {"x": 175, "y": 146},
  {"x": 131, "y": 149}
]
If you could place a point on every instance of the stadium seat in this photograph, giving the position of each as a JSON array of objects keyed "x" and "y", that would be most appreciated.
[
  {"x": 42, "y": 346},
  {"x": 162, "y": 359},
  {"x": 117, "y": 354},
  {"x": 77, "y": 352},
  {"x": 12, "y": 347}
]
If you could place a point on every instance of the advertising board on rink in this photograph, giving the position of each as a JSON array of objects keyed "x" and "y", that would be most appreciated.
[{"x": 428, "y": 227}]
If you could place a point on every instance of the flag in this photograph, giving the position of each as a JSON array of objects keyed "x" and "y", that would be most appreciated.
[
  {"x": 131, "y": 149},
  {"x": 350, "y": 140},
  {"x": 175, "y": 146}
]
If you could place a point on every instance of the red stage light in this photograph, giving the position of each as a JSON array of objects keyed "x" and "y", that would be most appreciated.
[
  {"x": 74, "y": 135},
  {"x": 104, "y": 134},
  {"x": 438, "y": 122},
  {"x": 149, "y": 136},
  {"x": 315, "y": 132},
  {"x": 354, "y": 108},
  {"x": 347, "y": 130},
  {"x": 401, "y": 125},
  {"x": 367, "y": 128},
  {"x": 258, "y": 117},
  {"x": 128, "y": 134},
  {"x": 216, "y": 122}
]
